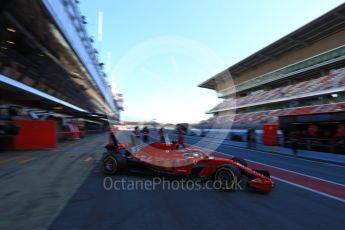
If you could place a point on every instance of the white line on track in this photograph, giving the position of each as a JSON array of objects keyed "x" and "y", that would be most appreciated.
[
  {"x": 309, "y": 189},
  {"x": 317, "y": 178},
  {"x": 302, "y": 174},
  {"x": 289, "y": 182}
]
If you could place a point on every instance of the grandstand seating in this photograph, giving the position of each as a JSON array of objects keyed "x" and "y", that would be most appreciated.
[{"x": 335, "y": 79}]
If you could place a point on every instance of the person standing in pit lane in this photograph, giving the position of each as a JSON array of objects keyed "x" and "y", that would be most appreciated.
[
  {"x": 162, "y": 134},
  {"x": 146, "y": 134},
  {"x": 136, "y": 132},
  {"x": 180, "y": 134}
]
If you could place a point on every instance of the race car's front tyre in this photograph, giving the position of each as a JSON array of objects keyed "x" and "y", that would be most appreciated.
[
  {"x": 113, "y": 163},
  {"x": 227, "y": 177}
]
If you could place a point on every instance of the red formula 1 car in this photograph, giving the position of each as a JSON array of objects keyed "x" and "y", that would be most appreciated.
[{"x": 166, "y": 159}]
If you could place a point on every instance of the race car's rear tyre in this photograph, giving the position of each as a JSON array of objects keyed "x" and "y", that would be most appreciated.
[
  {"x": 110, "y": 165},
  {"x": 227, "y": 177},
  {"x": 113, "y": 164},
  {"x": 240, "y": 160}
]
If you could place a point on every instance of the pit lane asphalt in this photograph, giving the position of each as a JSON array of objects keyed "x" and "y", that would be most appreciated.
[
  {"x": 286, "y": 207},
  {"x": 35, "y": 185}
]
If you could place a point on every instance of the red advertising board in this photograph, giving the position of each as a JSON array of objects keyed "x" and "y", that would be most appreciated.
[
  {"x": 270, "y": 134},
  {"x": 35, "y": 134}
]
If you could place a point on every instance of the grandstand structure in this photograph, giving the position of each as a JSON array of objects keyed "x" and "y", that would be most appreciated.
[
  {"x": 294, "y": 82},
  {"x": 47, "y": 61}
]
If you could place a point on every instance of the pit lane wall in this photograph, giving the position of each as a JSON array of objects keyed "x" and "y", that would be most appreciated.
[
  {"x": 278, "y": 149},
  {"x": 69, "y": 20}
]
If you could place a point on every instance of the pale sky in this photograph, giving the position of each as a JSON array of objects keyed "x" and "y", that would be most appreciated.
[{"x": 156, "y": 52}]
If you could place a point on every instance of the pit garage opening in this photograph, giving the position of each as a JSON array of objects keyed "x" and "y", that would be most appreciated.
[{"x": 323, "y": 132}]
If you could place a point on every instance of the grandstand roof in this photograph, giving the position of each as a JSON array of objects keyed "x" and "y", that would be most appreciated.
[{"x": 323, "y": 26}]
